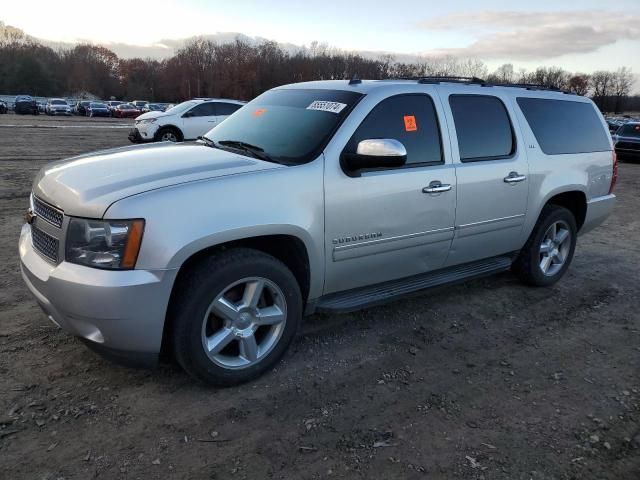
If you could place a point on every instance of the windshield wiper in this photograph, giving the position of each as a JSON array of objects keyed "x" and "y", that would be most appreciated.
[
  {"x": 257, "y": 152},
  {"x": 208, "y": 142}
]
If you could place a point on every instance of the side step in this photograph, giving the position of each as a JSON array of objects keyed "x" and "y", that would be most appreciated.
[{"x": 384, "y": 292}]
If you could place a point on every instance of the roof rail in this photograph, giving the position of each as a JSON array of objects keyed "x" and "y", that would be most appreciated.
[
  {"x": 441, "y": 78},
  {"x": 481, "y": 82},
  {"x": 450, "y": 79},
  {"x": 531, "y": 86}
]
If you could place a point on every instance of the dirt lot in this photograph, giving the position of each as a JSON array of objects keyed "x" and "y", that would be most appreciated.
[{"x": 489, "y": 379}]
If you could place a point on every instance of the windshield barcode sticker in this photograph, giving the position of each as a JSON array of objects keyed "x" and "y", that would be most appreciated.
[{"x": 324, "y": 106}]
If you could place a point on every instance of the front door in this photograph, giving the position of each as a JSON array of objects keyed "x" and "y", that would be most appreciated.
[
  {"x": 492, "y": 172},
  {"x": 389, "y": 223},
  {"x": 199, "y": 120}
]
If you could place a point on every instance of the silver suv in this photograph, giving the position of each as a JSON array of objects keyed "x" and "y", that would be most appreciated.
[{"x": 324, "y": 196}]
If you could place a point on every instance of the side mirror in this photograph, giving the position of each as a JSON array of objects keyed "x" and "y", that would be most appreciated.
[
  {"x": 187, "y": 114},
  {"x": 375, "y": 153}
]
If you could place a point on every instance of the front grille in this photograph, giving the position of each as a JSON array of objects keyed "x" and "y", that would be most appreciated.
[
  {"x": 45, "y": 243},
  {"x": 47, "y": 212}
]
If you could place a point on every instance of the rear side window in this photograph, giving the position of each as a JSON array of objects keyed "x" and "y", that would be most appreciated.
[
  {"x": 562, "y": 126},
  {"x": 410, "y": 119},
  {"x": 482, "y": 126},
  {"x": 226, "y": 108}
]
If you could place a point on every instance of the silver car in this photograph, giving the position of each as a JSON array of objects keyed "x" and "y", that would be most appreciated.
[{"x": 324, "y": 196}]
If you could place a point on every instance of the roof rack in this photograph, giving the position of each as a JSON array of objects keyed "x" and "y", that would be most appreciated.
[
  {"x": 478, "y": 81},
  {"x": 442, "y": 78},
  {"x": 531, "y": 86}
]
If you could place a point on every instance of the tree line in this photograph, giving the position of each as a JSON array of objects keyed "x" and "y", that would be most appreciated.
[{"x": 203, "y": 68}]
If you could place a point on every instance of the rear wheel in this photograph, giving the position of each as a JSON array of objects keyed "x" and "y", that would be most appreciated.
[
  {"x": 234, "y": 316},
  {"x": 549, "y": 250}
]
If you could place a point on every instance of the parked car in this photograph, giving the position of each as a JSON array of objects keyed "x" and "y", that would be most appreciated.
[
  {"x": 3, "y": 107},
  {"x": 25, "y": 104},
  {"x": 125, "y": 110},
  {"x": 627, "y": 141},
  {"x": 57, "y": 106},
  {"x": 186, "y": 121},
  {"x": 139, "y": 104},
  {"x": 153, "y": 107},
  {"x": 111, "y": 104},
  {"x": 325, "y": 196},
  {"x": 81, "y": 107},
  {"x": 98, "y": 109}
]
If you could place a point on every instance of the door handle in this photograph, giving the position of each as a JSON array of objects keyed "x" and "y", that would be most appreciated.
[
  {"x": 514, "y": 177},
  {"x": 437, "y": 187}
]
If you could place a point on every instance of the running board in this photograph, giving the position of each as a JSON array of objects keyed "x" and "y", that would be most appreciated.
[{"x": 384, "y": 292}]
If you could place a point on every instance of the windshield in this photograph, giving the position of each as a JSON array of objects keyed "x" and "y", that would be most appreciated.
[
  {"x": 629, "y": 130},
  {"x": 98, "y": 105},
  {"x": 181, "y": 107},
  {"x": 58, "y": 102},
  {"x": 292, "y": 126},
  {"x": 126, "y": 106}
]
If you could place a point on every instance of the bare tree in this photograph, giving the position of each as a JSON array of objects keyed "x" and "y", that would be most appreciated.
[
  {"x": 622, "y": 83},
  {"x": 602, "y": 84},
  {"x": 578, "y": 84}
]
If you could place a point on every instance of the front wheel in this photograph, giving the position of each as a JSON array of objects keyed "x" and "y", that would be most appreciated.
[
  {"x": 168, "y": 135},
  {"x": 549, "y": 250},
  {"x": 234, "y": 316}
]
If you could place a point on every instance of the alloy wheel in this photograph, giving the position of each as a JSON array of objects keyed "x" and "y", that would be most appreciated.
[
  {"x": 555, "y": 248},
  {"x": 244, "y": 322}
]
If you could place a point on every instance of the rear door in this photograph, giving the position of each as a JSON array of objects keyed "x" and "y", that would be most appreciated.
[
  {"x": 492, "y": 173},
  {"x": 224, "y": 109},
  {"x": 199, "y": 120}
]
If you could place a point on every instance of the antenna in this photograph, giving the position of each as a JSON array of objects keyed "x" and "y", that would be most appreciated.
[{"x": 355, "y": 80}]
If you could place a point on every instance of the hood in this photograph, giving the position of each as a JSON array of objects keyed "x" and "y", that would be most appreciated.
[
  {"x": 148, "y": 115},
  {"x": 87, "y": 185}
]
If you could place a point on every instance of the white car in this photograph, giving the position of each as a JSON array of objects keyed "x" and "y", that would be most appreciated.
[
  {"x": 186, "y": 121},
  {"x": 57, "y": 106}
]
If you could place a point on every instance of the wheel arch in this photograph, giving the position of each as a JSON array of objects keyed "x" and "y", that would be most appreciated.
[{"x": 289, "y": 249}]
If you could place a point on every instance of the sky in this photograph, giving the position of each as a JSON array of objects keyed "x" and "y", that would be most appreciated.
[{"x": 582, "y": 35}]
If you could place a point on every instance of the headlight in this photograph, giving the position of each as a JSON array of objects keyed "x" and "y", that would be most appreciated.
[
  {"x": 147, "y": 120},
  {"x": 110, "y": 244}
]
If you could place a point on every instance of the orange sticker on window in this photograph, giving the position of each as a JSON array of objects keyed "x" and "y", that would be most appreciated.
[
  {"x": 259, "y": 112},
  {"x": 410, "y": 124}
]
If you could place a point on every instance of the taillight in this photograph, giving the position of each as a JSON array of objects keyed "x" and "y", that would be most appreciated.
[{"x": 614, "y": 175}]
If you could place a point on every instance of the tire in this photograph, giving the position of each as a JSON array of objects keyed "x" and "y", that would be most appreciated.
[
  {"x": 168, "y": 134},
  {"x": 551, "y": 245},
  {"x": 200, "y": 314}
]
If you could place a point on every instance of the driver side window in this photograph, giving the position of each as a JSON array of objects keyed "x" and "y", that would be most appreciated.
[
  {"x": 412, "y": 120},
  {"x": 203, "y": 110}
]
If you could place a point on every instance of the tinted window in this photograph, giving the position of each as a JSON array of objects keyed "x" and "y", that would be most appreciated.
[
  {"x": 629, "y": 130},
  {"x": 562, "y": 126},
  {"x": 226, "y": 108},
  {"x": 483, "y": 127},
  {"x": 410, "y": 119},
  {"x": 291, "y": 125},
  {"x": 203, "y": 110}
]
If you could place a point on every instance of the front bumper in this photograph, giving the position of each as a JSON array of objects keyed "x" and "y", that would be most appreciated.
[
  {"x": 138, "y": 135},
  {"x": 598, "y": 209},
  {"x": 119, "y": 313}
]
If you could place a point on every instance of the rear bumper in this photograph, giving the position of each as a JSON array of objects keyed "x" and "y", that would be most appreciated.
[
  {"x": 598, "y": 209},
  {"x": 118, "y": 313}
]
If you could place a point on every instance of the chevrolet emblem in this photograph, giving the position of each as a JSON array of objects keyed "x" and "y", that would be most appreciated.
[{"x": 29, "y": 217}]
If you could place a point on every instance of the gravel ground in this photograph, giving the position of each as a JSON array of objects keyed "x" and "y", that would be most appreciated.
[{"x": 485, "y": 380}]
